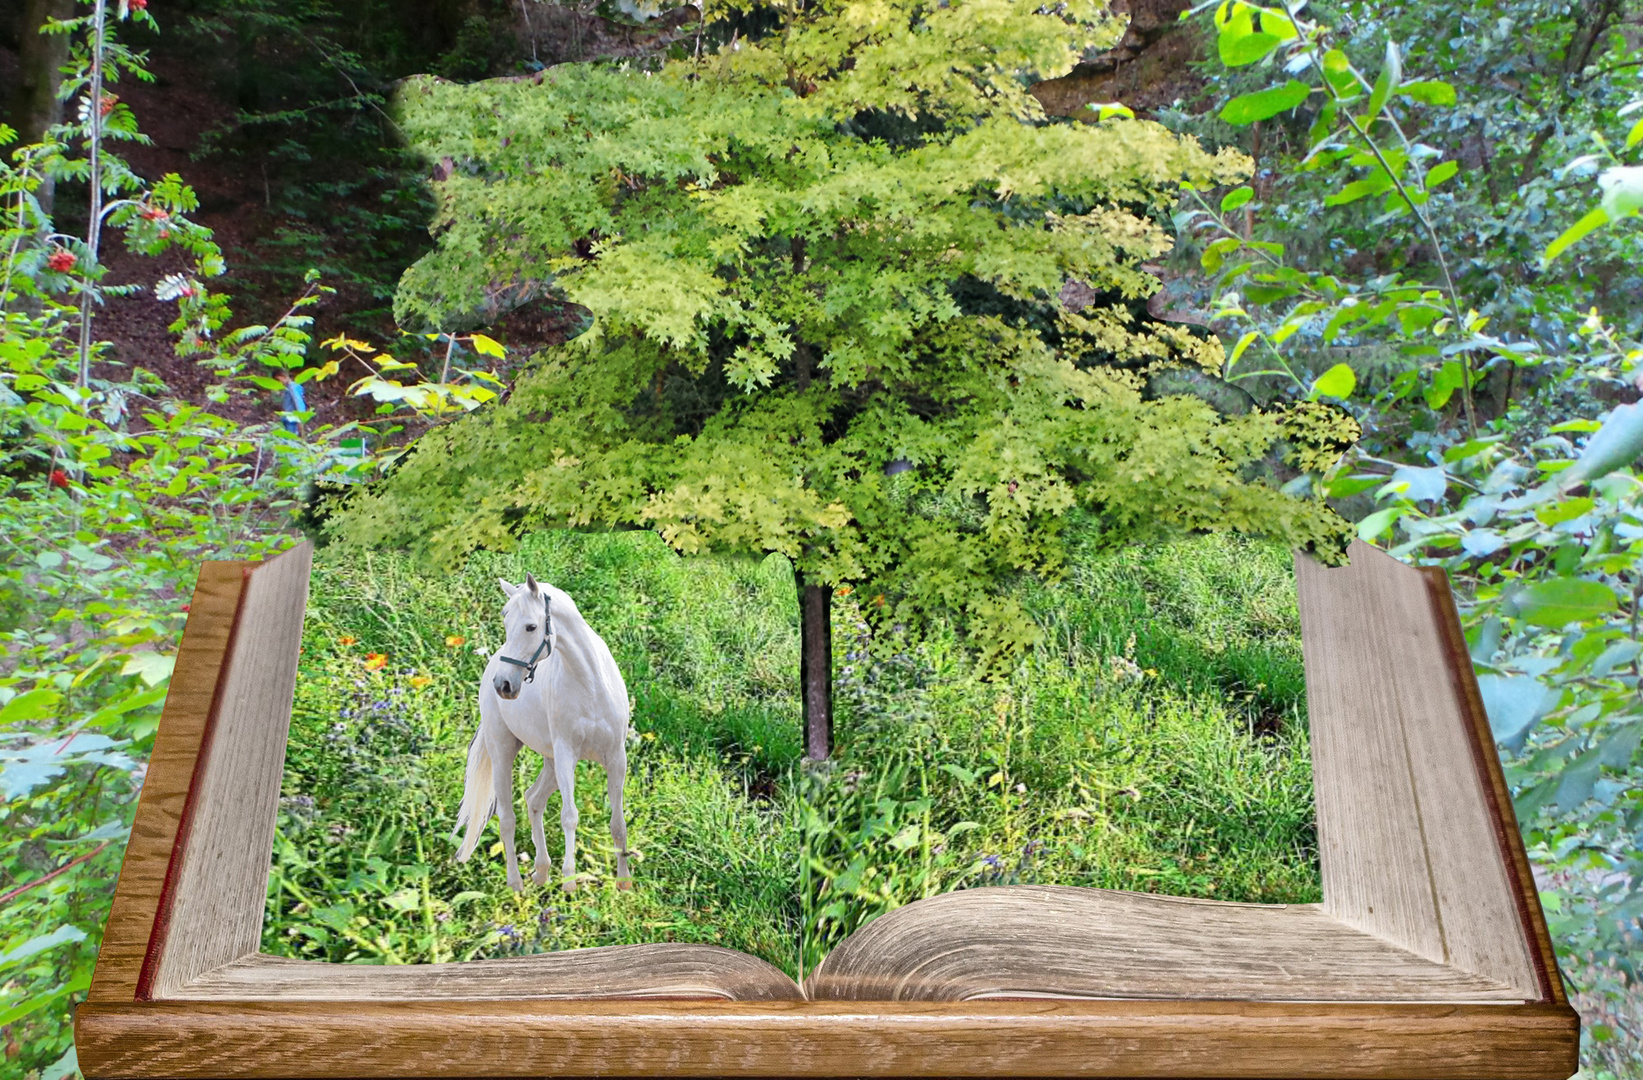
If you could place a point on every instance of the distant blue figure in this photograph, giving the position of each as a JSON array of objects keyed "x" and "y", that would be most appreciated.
[{"x": 291, "y": 401}]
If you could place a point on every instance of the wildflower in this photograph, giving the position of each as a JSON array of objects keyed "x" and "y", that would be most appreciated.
[
  {"x": 842, "y": 590},
  {"x": 139, "y": 5},
  {"x": 454, "y": 640},
  {"x": 419, "y": 681},
  {"x": 346, "y": 639},
  {"x": 1152, "y": 673},
  {"x": 61, "y": 261},
  {"x": 650, "y": 736},
  {"x": 59, "y": 478},
  {"x": 374, "y": 660},
  {"x": 187, "y": 606},
  {"x": 107, "y": 104}
]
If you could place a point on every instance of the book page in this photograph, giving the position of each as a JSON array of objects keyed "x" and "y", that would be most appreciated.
[
  {"x": 395, "y": 662},
  {"x": 1155, "y": 742}
]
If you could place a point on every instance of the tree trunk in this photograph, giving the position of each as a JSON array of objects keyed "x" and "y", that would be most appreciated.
[
  {"x": 816, "y": 667},
  {"x": 34, "y": 106}
]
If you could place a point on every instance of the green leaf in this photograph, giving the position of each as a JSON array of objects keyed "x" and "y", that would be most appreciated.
[
  {"x": 1563, "y": 510},
  {"x": 485, "y": 346},
  {"x": 1619, "y": 746},
  {"x": 154, "y": 668},
  {"x": 1634, "y": 136},
  {"x": 1514, "y": 704},
  {"x": 33, "y": 705},
  {"x": 1215, "y": 254},
  {"x": 1622, "y": 191},
  {"x": 1450, "y": 377},
  {"x": 1387, "y": 82},
  {"x": 1235, "y": 198},
  {"x": 1377, "y": 523},
  {"x": 1323, "y": 126},
  {"x": 1429, "y": 92},
  {"x": 1248, "y": 108},
  {"x": 36, "y": 945},
  {"x": 1556, "y": 603},
  {"x": 1338, "y": 382},
  {"x": 1342, "y": 486},
  {"x": 1440, "y": 172},
  {"x": 1338, "y": 70},
  {"x": 1359, "y": 189},
  {"x": 1268, "y": 294},
  {"x": 1244, "y": 342},
  {"x": 1239, "y": 42},
  {"x": 1578, "y": 778},
  {"x": 1617, "y": 444},
  {"x": 1107, "y": 109},
  {"x": 40, "y": 1001},
  {"x": 1594, "y": 219}
]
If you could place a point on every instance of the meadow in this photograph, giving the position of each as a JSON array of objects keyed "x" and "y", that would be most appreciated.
[{"x": 1155, "y": 741}]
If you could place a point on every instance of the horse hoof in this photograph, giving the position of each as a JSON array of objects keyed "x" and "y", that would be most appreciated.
[
  {"x": 624, "y": 884},
  {"x": 540, "y": 877},
  {"x": 570, "y": 885}
]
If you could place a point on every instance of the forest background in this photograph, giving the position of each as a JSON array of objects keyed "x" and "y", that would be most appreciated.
[{"x": 1433, "y": 234}]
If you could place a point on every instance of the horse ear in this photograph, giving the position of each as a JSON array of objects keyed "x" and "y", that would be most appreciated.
[
  {"x": 507, "y": 590},
  {"x": 530, "y": 580}
]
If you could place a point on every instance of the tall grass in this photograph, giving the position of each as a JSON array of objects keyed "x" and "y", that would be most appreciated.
[
  {"x": 1156, "y": 741},
  {"x": 386, "y": 705}
]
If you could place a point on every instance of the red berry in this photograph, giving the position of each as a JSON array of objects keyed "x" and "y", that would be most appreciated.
[
  {"x": 59, "y": 478},
  {"x": 61, "y": 261},
  {"x": 139, "y": 5},
  {"x": 186, "y": 607}
]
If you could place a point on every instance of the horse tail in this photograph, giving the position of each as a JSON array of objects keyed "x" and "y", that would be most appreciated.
[{"x": 478, "y": 798}]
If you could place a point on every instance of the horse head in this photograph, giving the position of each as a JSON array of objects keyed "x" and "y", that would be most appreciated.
[{"x": 529, "y": 630}]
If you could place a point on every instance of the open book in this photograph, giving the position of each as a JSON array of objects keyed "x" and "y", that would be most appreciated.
[
  {"x": 1425, "y": 891},
  {"x": 1430, "y": 928}
]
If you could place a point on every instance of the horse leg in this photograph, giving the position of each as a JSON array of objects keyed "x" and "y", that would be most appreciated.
[
  {"x": 564, "y": 766},
  {"x": 504, "y": 748},
  {"x": 536, "y": 802},
  {"x": 615, "y": 773}
]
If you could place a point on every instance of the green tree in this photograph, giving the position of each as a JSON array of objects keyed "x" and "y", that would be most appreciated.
[{"x": 828, "y": 272}]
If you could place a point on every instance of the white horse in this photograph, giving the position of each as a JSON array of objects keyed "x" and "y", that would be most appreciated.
[{"x": 576, "y": 711}]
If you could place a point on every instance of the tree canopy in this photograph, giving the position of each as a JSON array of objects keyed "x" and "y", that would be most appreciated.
[{"x": 826, "y": 271}]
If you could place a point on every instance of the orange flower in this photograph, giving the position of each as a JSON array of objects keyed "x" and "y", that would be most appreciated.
[
  {"x": 878, "y": 601},
  {"x": 374, "y": 661},
  {"x": 419, "y": 681},
  {"x": 455, "y": 639},
  {"x": 842, "y": 590},
  {"x": 347, "y": 639}
]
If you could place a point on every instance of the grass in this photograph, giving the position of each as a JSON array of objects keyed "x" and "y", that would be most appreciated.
[
  {"x": 363, "y": 865},
  {"x": 1156, "y": 741}
]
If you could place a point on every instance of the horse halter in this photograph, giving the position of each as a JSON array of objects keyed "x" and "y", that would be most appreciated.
[{"x": 544, "y": 650}]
